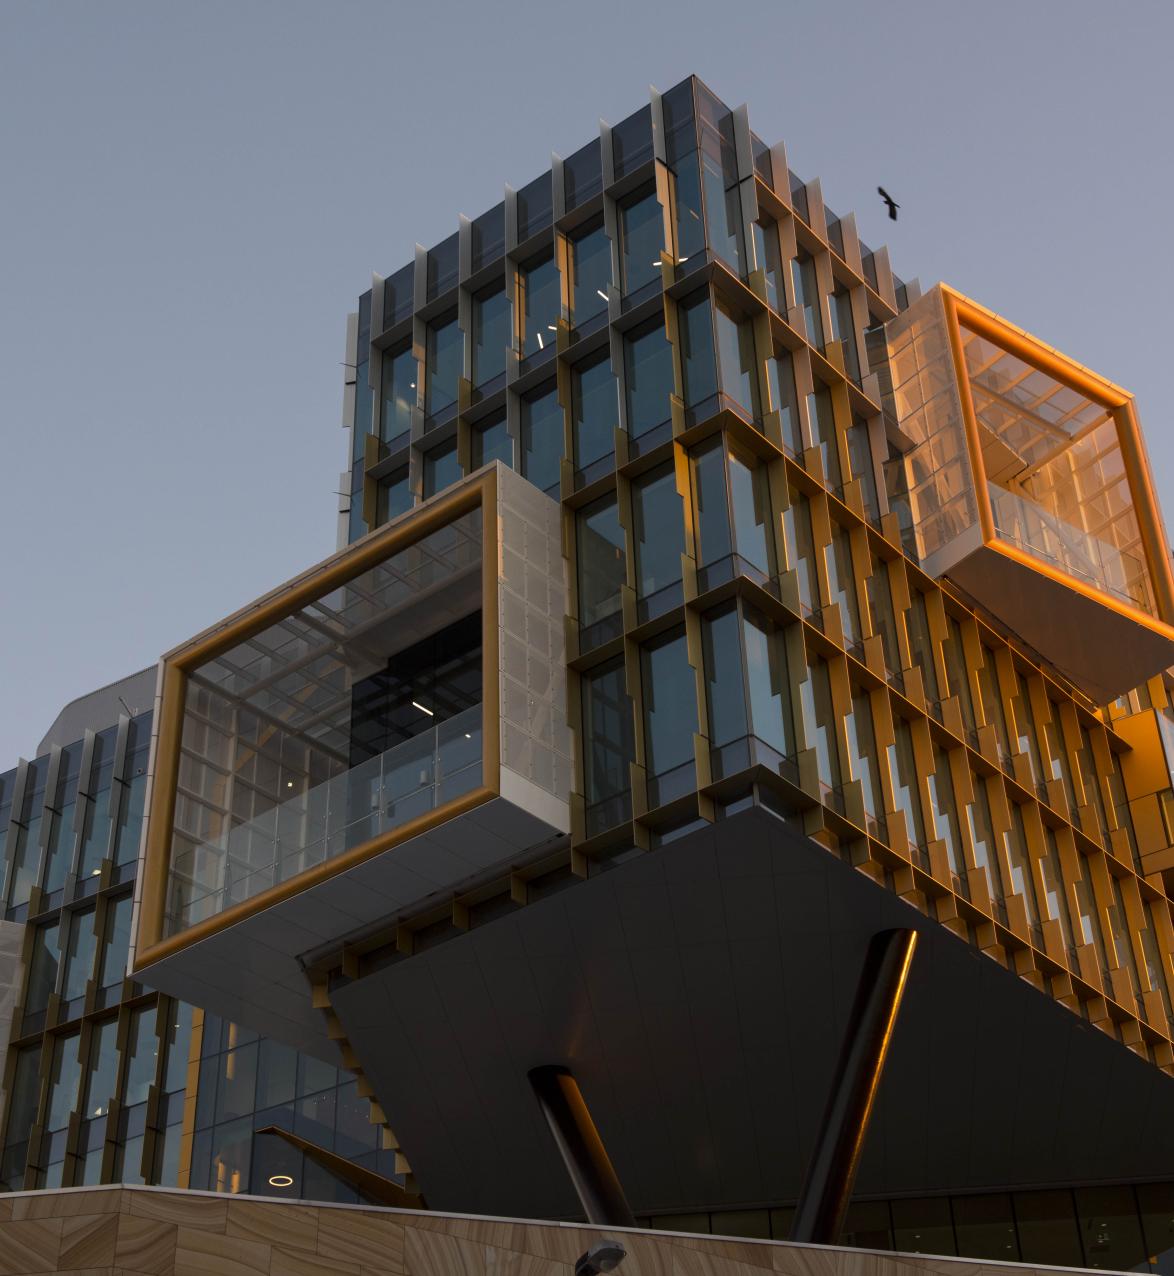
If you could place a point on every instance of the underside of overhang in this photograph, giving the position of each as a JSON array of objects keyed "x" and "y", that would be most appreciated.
[{"x": 699, "y": 994}]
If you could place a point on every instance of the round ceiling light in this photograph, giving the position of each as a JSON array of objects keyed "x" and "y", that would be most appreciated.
[{"x": 280, "y": 1180}]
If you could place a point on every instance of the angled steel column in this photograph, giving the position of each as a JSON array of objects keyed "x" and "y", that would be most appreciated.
[
  {"x": 827, "y": 1189},
  {"x": 580, "y": 1147}
]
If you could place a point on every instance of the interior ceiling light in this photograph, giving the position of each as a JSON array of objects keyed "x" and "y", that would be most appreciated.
[
  {"x": 280, "y": 1180},
  {"x": 417, "y": 705}
]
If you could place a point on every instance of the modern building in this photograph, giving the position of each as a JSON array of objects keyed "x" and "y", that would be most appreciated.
[{"x": 724, "y": 768}]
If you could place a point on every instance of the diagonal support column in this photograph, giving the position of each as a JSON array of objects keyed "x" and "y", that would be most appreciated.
[
  {"x": 819, "y": 1217},
  {"x": 580, "y": 1147}
]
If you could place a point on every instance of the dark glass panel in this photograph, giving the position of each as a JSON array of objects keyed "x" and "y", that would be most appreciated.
[
  {"x": 542, "y": 437},
  {"x": 541, "y": 304},
  {"x": 443, "y": 266},
  {"x": 444, "y": 355},
  {"x": 659, "y": 531},
  {"x": 442, "y": 467},
  {"x": 400, "y": 375},
  {"x": 600, "y": 546},
  {"x": 534, "y": 207},
  {"x": 698, "y": 363},
  {"x": 923, "y": 1226},
  {"x": 79, "y": 955},
  {"x": 594, "y": 409},
  {"x": 582, "y": 175},
  {"x": 608, "y": 733},
  {"x": 670, "y": 704},
  {"x": 722, "y": 654},
  {"x": 492, "y": 334},
  {"x": 393, "y": 496},
  {"x": 648, "y": 377},
  {"x": 641, "y": 241},
  {"x": 399, "y": 295},
  {"x": 711, "y": 503},
  {"x": 491, "y": 442},
  {"x": 488, "y": 232},
  {"x": 590, "y": 257},
  {"x": 631, "y": 142},
  {"x": 680, "y": 126},
  {"x": 737, "y": 360}
]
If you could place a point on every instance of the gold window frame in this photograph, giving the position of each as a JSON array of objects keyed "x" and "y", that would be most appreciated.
[
  {"x": 480, "y": 491},
  {"x": 962, "y": 312}
]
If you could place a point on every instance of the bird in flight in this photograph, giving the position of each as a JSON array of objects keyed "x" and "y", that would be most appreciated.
[{"x": 892, "y": 203}]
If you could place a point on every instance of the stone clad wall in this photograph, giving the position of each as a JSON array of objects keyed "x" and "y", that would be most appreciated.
[{"x": 142, "y": 1231}]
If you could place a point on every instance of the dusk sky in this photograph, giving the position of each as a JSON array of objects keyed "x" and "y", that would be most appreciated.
[{"x": 192, "y": 197}]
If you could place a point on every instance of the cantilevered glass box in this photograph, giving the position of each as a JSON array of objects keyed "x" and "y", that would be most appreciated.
[
  {"x": 373, "y": 733},
  {"x": 1024, "y": 479}
]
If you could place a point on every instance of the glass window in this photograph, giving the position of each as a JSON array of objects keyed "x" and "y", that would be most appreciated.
[
  {"x": 844, "y": 330},
  {"x": 1119, "y": 929},
  {"x": 488, "y": 236},
  {"x": 541, "y": 304},
  {"x": 648, "y": 377},
  {"x": 739, "y": 365},
  {"x": 491, "y": 442},
  {"x": 491, "y": 332},
  {"x": 992, "y": 700},
  {"x": 862, "y": 744},
  {"x": 443, "y": 346},
  {"x": 945, "y": 813},
  {"x": 769, "y": 689},
  {"x": 102, "y": 1076},
  {"x": 923, "y": 1226},
  {"x": 179, "y": 1040},
  {"x": 59, "y": 853},
  {"x": 535, "y": 206},
  {"x": 842, "y": 581},
  {"x": 982, "y": 836},
  {"x": 1022, "y": 881},
  {"x": 670, "y": 704},
  {"x": 43, "y": 966},
  {"x": 399, "y": 392},
  {"x": 63, "y": 1081},
  {"x": 956, "y": 670},
  {"x": 631, "y": 142},
  {"x": 823, "y": 429},
  {"x": 801, "y": 548},
  {"x": 26, "y": 1087},
  {"x": 658, "y": 524},
  {"x": 880, "y": 609},
  {"x": 143, "y": 1045},
  {"x": 1111, "y": 1228},
  {"x": 1055, "y": 890},
  {"x": 1156, "y": 1202},
  {"x": 582, "y": 175},
  {"x": 723, "y": 205},
  {"x": 768, "y": 259},
  {"x": 542, "y": 437},
  {"x": 781, "y": 374},
  {"x": 79, "y": 955},
  {"x": 96, "y": 825},
  {"x": 920, "y": 647},
  {"x": 393, "y": 496},
  {"x": 590, "y": 261},
  {"x": 985, "y": 1226},
  {"x": 442, "y": 266},
  {"x": 711, "y": 503},
  {"x": 117, "y": 941},
  {"x": 641, "y": 240},
  {"x": 807, "y": 295},
  {"x": 364, "y": 408},
  {"x": 595, "y": 410},
  {"x": 697, "y": 356},
  {"x": 128, "y": 832},
  {"x": 26, "y": 852},
  {"x": 860, "y": 459},
  {"x": 441, "y": 467},
  {"x": 750, "y": 501},
  {"x": 1024, "y": 727},
  {"x": 608, "y": 737},
  {"x": 903, "y": 773},
  {"x": 1048, "y": 1232},
  {"x": 600, "y": 546},
  {"x": 690, "y": 227},
  {"x": 722, "y": 655},
  {"x": 819, "y": 720}
]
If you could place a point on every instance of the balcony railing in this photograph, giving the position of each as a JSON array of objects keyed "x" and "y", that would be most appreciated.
[{"x": 379, "y": 795}]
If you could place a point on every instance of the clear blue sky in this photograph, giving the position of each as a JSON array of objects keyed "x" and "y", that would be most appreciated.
[{"x": 193, "y": 195}]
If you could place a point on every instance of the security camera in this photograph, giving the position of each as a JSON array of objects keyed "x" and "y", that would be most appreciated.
[{"x": 603, "y": 1256}]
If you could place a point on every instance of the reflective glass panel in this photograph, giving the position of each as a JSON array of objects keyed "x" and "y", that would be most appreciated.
[
  {"x": 541, "y": 304},
  {"x": 648, "y": 377},
  {"x": 595, "y": 410},
  {"x": 445, "y": 354},
  {"x": 491, "y": 332},
  {"x": 641, "y": 241},
  {"x": 670, "y": 704},
  {"x": 600, "y": 547},
  {"x": 542, "y": 438},
  {"x": 659, "y": 530},
  {"x": 590, "y": 258},
  {"x": 400, "y": 373}
]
